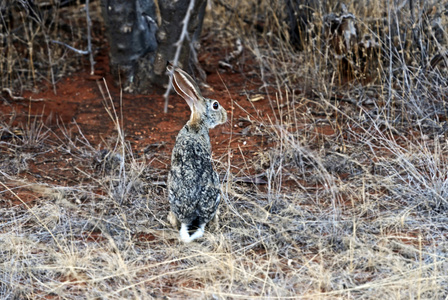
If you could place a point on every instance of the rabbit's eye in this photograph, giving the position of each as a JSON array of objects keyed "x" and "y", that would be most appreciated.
[{"x": 215, "y": 105}]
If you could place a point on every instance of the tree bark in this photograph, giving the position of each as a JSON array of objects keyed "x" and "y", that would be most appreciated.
[
  {"x": 299, "y": 16},
  {"x": 143, "y": 41}
]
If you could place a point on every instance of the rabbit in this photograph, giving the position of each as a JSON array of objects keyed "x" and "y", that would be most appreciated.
[{"x": 193, "y": 185}]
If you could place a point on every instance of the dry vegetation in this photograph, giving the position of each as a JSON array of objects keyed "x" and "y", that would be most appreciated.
[{"x": 355, "y": 196}]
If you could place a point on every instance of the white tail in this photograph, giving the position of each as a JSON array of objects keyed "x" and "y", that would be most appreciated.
[{"x": 186, "y": 237}]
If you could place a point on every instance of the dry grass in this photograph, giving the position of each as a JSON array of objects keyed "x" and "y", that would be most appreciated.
[
  {"x": 358, "y": 211},
  {"x": 41, "y": 42}
]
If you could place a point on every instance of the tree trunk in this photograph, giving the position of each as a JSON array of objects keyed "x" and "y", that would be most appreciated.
[
  {"x": 143, "y": 41},
  {"x": 173, "y": 13},
  {"x": 300, "y": 15}
]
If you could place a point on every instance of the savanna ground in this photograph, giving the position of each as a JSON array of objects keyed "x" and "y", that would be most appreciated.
[{"x": 334, "y": 170}]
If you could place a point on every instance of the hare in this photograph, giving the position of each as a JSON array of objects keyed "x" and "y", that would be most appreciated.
[{"x": 193, "y": 185}]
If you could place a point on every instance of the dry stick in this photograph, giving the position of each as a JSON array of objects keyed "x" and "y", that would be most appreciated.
[
  {"x": 50, "y": 61},
  {"x": 89, "y": 41},
  {"x": 70, "y": 47},
  {"x": 179, "y": 43},
  {"x": 417, "y": 35},
  {"x": 89, "y": 38},
  {"x": 389, "y": 96}
]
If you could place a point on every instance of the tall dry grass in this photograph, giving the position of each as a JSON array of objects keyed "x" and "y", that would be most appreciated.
[
  {"x": 354, "y": 205},
  {"x": 41, "y": 42}
]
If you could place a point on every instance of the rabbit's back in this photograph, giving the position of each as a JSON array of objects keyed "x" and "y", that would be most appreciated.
[{"x": 193, "y": 185}]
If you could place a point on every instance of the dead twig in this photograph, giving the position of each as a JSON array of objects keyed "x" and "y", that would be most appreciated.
[{"x": 183, "y": 36}]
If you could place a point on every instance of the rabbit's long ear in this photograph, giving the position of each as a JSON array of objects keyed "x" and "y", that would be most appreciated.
[{"x": 186, "y": 88}]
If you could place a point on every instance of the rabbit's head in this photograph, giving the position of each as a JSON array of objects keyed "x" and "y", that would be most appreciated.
[{"x": 204, "y": 112}]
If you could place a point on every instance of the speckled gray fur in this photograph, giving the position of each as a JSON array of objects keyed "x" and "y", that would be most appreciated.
[{"x": 193, "y": 185}]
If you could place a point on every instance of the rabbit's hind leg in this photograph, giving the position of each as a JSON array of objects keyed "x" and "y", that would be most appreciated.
[
  {"x": 214, "y": 223},
  {"x": 173, "y": 220}
]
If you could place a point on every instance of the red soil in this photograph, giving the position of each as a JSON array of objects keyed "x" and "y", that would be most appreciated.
[{"x": 78, "y": 102}]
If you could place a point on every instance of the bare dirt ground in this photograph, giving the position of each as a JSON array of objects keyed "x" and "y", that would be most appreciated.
[{"x": 78, "y": 106}]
